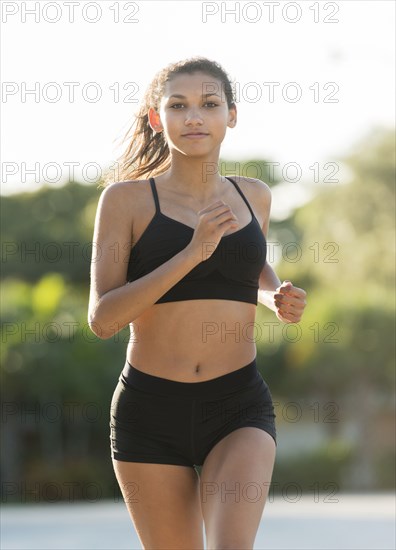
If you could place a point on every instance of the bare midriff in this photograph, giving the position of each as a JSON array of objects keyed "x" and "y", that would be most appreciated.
[{"x": 193, "y": 340}]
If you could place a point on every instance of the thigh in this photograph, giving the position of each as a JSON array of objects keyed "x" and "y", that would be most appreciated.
[
  {"x": 234, "y": 485},
  {"x": 163, "y": 501}
]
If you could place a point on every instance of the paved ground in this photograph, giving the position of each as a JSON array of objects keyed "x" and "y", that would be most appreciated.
[{"x": 355, "y": 522}]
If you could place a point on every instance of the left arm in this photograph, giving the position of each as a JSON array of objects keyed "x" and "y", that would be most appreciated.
[
  {"x": 268, "y": 283},
  {"x": 284, "y": 299}
]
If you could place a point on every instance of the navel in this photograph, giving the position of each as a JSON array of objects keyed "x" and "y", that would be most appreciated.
[{"x": 197, "y": 368}]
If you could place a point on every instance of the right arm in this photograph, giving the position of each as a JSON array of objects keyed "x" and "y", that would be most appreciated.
[{"x": 113, "y": 302}]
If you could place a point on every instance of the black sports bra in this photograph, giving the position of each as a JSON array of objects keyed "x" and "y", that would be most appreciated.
[{"x": 231, "y": 273}]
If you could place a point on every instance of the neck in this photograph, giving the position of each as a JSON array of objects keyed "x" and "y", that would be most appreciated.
[{"x": 198, "y": 177}]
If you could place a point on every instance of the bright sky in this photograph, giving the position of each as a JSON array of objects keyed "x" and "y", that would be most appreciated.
[{"x": 350, "y": 60}]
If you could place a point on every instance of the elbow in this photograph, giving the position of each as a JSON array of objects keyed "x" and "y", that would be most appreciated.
[
  {"x": 101, "y": 329},
  {"x": 97, "y": 330},
  {"x": 96, "y": 325},
  {"x": 95, "y": 322},
  {"x": 100, "y": 324}
]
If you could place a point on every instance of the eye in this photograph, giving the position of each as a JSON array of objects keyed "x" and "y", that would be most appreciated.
[
  {"x": 211, "y": 103},
  {"x": 176, "y": 105}
]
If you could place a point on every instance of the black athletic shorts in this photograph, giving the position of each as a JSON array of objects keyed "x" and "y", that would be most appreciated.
[{"x": 162, "y": 421}]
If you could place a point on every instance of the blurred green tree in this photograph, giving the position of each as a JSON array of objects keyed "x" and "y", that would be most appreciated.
[{"x": 342, "y": 352}]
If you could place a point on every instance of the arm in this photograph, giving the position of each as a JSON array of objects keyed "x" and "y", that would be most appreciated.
[
  {"x": 268, "y": 284},
  {"x": 284, "y": 299},
  {"x": 114, "y": 303},
  {"x": 269, "y": 281}
]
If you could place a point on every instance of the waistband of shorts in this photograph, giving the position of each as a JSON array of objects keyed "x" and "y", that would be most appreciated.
[{"x": 215, "y": 386}]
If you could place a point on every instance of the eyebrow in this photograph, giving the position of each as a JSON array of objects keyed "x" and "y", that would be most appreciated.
[{"x": 179, "y": 96}]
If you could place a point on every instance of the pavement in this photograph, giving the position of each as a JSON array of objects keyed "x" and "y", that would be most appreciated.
[{"x": 328, "y": 522}]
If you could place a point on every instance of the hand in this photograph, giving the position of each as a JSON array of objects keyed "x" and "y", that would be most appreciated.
[
  {"x": 290, "y": 302},
  {"x": 213, "y": 222}
]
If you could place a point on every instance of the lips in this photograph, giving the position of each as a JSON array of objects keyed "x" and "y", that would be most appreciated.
[{"x": 195, "y": 134}]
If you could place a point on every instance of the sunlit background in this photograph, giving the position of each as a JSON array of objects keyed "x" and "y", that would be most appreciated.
[{"x": 316, "y": 121}]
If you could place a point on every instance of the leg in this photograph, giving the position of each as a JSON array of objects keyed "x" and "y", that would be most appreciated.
[
  {"x": 164, "y": 504},
  {"x": 235, "y": 480}
]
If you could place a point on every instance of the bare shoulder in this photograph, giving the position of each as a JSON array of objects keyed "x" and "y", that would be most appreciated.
[
  {"x": 118, "y": 208},
  {"x": 113, "y": 235},
  {"x": 127, "y": 197},
  {"x": 255, "y": 184},
  {"x": 257, "y": 191},
  {"x": 120, "y": 190}
]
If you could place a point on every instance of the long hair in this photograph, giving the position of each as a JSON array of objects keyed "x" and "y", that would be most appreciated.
[{"x": 147, "y": 152}]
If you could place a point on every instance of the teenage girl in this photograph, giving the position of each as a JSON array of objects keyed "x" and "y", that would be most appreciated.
[{"x": 183, "y": 261}]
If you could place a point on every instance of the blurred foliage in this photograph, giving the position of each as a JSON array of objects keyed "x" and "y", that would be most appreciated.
[
  {"x": 58, "y": 377},
  {"x": 319, "y": 472},
  {"x": 251, "y": 168},
  {"x": 353, "y": 224},
  {"x": 56, "y": 236}
]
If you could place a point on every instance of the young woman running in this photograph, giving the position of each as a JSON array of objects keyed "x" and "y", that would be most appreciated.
[{"x": 182, "y": 260}]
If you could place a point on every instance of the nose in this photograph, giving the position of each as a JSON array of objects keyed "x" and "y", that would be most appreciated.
[{"x": 193, "y": 116}]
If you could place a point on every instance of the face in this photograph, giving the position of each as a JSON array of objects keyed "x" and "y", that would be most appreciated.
[{"x": 193, "y": 114}]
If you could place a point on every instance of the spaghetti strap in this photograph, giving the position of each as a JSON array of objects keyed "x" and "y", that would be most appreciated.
[
  {"x": 243, "y": 196},
  {"x": 214, "y": 279},
  {"x": 155, "y": 195}
]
